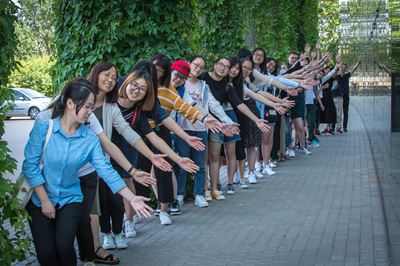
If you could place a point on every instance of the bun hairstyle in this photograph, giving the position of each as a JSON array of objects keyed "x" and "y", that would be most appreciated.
[{"x": 78, "y": 90}]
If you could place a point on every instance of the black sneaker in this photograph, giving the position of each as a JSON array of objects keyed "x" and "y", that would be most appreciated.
[
  {"x": 174, "y": 208},
  {"x": 157, "y": 211},
  {"x": 230, "y": 190}
]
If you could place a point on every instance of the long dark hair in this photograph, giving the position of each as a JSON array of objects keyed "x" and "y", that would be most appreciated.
[
  {"x": 275, "y": 71},
  {"x": 78, "y": 90},
  {"x": 244, "y": 53},
  {"x": 249, "y": 59},
  {"x": 237, "y": 82},
  {"x": 93, "y": 77},
  {"x": 264, "y": 63},
  {"x": 162, "y": 61}
]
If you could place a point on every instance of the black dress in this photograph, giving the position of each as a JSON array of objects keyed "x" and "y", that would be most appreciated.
[{"x": 328, "y": 116}]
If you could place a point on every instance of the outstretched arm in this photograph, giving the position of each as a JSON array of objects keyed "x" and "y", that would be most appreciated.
[{"x": 356, "y": 65}]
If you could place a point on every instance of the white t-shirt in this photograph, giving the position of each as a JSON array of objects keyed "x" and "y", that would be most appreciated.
[
  {"x": 193, "y": 90},
  {"x": 92, "y": 123}
]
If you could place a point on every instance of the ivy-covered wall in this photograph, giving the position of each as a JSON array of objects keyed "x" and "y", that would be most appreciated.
[{"x": 124, "y": 31}]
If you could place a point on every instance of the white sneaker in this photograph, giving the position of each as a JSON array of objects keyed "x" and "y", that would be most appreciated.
[
  {"x": 306, "y": 152},
  {"x": 200, "y": 201},
  {"x": 120, "y": 241},
  {"x": 136, "y": 219},
  {"x": 236, "y": 178},
  {"x": 243, "y": 184},
  {"x": 164, "y": 218},
  {"x": 272, "y": 164},
  {"x": 291, "y": 153},
  {"x": 179, "y": 198},
  {"x": 108, "y": 242},
  {"x": 258, "y": 167},
  {"x": 268, "y": 171},
  {"x": 252, "y": 178},
  {"x": 129, "y": 229},
  {"x": 208, "y": 196}
]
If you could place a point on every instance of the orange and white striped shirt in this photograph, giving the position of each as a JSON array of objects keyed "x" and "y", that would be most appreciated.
[{"x": 171, "y": 101}]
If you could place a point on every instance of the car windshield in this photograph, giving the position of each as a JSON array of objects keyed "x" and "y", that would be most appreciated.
[{"x": 32, "y": 94}]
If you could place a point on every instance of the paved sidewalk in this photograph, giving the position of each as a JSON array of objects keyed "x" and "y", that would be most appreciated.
[{"x": 322, "y": 209}]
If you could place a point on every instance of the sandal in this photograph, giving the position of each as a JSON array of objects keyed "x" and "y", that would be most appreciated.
[{"x": 109, "y": 259}]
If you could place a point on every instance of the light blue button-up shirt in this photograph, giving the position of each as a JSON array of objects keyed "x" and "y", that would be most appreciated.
[{"x": 63, "y": 157}]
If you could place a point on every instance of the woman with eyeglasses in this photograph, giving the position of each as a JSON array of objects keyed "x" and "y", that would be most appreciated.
[
  {"x": 56, "y": 205},
  {"x": 103, "y": 79},
  {"x": 89, "y": 181},
  {"x": 250, "y": 134},
  {"x": 202, "y": 97},
  {"x": 137, "y": 101},
  {"x": 170, "y": 78},
  {"x": 219, "y": 85}
]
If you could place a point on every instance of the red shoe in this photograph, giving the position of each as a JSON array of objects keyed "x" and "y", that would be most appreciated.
[
  {"x": 325, "y": 130},
  {"x": 338, "y": 130}
]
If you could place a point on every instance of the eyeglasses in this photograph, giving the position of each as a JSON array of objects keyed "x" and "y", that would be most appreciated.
[
  {"x": 176, "y": 75},
  {"x": 222, "y": 65},
  {"x": 247, "y": 68},
  {"x": 90, "y": 107},
  {"x": 134, "y": 87},
  {"x": 197, "y": 66}
]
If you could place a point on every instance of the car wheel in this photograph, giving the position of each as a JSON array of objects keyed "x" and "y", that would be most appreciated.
[{"x": 33, "y": 112}]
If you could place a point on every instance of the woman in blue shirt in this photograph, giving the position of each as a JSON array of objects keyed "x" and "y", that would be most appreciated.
[{"x": 55, "y": 206}]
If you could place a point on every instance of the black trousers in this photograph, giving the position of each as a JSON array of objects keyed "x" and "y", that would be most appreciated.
[
  {"x": 276, "y": 139},
  {"x": 84, "y": 234},
  {"x": 111, "y": 207},
  {"x": 346, "y": 101},
  {"x": 54, "y": 238},
  {"x": 164, "y": 179}
]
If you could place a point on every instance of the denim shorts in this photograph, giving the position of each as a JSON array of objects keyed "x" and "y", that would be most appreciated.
[{"x": 220, "y": 137}]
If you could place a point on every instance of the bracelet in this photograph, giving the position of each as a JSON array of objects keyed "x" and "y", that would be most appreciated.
[
  {"x": 130, "y": 169},
  {"x": 204, "y": 117}
]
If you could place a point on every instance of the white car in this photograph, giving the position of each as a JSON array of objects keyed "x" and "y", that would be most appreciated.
[{"x": 27, "y": 102}]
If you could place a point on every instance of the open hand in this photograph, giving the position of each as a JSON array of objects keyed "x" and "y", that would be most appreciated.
[
  {"x": 188, "y": 165},
  {"x": 261, "y": 124},
  {"x": 144, "y": 178},
  {"x": 292, "y": 92},
  {"x": 196, "y": 143},
  {"x": 213, "y": 124},
  {"x": 138, "y": 203},
  {"x": 158, "y": 161}
]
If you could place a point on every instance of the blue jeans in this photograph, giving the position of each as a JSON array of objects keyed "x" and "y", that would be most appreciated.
[
  {"x": 288, "y": 131},
  {"x": 199, "y": 157}
]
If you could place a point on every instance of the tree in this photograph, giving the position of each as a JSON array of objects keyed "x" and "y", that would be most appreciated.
[
  {"x": 13, "y": 243},
  {"x": 33, "y": 73},
  {"x": 328, "y": 16},
  {"x": 35, "y": 28}
]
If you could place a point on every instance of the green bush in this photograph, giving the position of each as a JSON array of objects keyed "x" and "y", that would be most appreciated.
[{"x": 34, "y": 73}]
